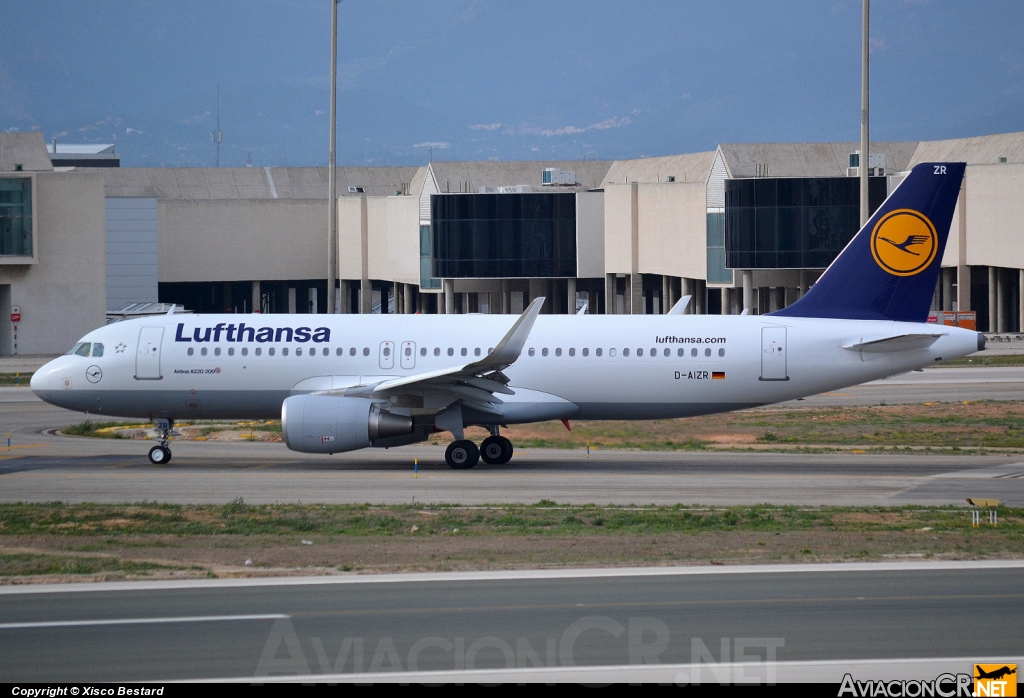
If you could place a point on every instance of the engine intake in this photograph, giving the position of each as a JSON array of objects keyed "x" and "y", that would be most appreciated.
[{"x": 329, "y": 424}]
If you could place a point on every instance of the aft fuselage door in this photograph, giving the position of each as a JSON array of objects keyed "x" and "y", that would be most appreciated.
[
  {"x": 774, "y": 362},
  {"x": 408, "y": 355},
  {"x": 147, "y": 357},
  {"x": 387, "y": 355}
]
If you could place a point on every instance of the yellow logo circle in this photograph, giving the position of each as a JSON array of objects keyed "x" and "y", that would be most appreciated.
[{"x": 904, "y": 242}]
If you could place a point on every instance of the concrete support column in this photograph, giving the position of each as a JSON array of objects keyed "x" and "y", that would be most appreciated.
[
  {"x": 291, "y": 301},
  {"x": 993, "y": 303},
  {"x": 726, "y": 301},
  {"x": 637, "y": 306},
  {"x": 802, "y": 289},
  {"x": 570, "y": 285},
  {"x": 737, "y": 301},
  {"x": 947, "y": 288},
  {"x": 407, "y": 299},
  {"x": 345, "y": 297},
  {"x": 466, "y": 307},
  {"x": 610, "y": 293},
  {"x": 748, "y": 291},
  {"x": 686, "y": 289},
  {"x": 1001, "y": 304},
  {"x": 256, "y": 296},
  {"x": 365, "y": 287},
  {"x": 666, "y": 294},
  {"x": 449, "y": 296},
  {"x": 700, "y": 296},
  {"x": 778, "y": 298},
  {"x": 506, "y": 297},
  {"x": 963, "y": 288},
  {"x": 538, "y": 288}
]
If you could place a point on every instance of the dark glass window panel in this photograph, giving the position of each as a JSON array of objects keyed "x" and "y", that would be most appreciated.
[
  {"x": 817, "y": 229},
  {"x": 877, "y": 192},
  {"x": 790, "y": 260},
  {"x": 739, "y": 192},
  {"x": 787, "y": 231},
  {"x": 789, "y": 192},
  {"x": 764, "y": 235},
  {"x": 765, "y": 260},
  {"x": 845, "y": 191},
  {"x": 816, "y": 192},
  {"x": 764, "y": 192},
  {"x": 463, "y": 208}
]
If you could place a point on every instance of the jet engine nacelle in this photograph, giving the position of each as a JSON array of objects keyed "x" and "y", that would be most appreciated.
[{"x": 329, "y": 424}]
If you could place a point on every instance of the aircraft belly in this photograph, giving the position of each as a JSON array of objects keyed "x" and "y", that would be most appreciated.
[{"x": 174, "y": 404}]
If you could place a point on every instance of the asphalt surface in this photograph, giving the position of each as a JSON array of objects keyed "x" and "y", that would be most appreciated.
[
  {"x": 830, "y": 614},
  {"x": 44, "y": 467}
]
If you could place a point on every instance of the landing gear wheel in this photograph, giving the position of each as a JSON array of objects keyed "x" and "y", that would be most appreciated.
[
  {"x": 496, "y": 450},
  {"x": 159, "y": 455},
  {"x": 462, "y": 455}
]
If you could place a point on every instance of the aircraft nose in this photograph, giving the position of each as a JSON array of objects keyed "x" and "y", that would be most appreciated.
[{"x": 47, "y": 378}]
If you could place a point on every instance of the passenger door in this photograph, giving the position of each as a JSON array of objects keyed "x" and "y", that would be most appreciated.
[
  {"x": 774, "y": 363},
  {"x": 408, "y": 355},
  {"x": 387, "y": 355},
  {"x": 147, "y": 358}
]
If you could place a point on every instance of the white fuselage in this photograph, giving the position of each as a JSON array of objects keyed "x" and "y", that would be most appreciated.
[{"x": 596, "y": 367}]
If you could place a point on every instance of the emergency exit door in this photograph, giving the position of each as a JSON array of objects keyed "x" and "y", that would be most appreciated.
[
  {"x": 147, "y": 357},
  {"x": 774, "y": 363}
]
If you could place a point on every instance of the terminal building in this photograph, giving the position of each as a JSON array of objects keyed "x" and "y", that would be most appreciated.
[{"x": 746, "y": 227}]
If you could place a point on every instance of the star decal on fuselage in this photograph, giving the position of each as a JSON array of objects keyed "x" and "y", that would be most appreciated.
[{"x": 120, "y": 348}]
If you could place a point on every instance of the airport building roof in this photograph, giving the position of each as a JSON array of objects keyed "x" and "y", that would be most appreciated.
[
  {"x": 25, "y": 149},
  {"x": 691, "y": 167},
  {"x": 213, "y": 183},
  {"x": 470, "y": 176},
  {"x": 980, "y": 150},
  {"x": 807, "y": 159}
]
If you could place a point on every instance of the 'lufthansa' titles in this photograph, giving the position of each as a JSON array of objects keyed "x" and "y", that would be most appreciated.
[{"x": 241, "y": 333}]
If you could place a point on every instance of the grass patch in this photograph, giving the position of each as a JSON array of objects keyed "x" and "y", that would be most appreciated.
[
  {"x": 32, "y": 564},
  {"x": 241, "y": 519},
  {"x": 100, "y": 430}
]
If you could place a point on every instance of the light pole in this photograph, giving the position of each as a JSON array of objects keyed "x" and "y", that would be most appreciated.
[
  {"x": 332, "y": 182},
  {"x": 865, "y": 210}
]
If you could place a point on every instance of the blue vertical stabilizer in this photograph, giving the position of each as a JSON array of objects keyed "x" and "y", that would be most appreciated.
[{"x": 889, "y": 269}]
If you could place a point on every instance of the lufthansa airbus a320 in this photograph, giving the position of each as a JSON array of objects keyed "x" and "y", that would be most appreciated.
[{"x": 346, "y": 382}]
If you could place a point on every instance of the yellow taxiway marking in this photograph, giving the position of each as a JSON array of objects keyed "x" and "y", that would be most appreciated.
[{"x": 14, "y": 446}]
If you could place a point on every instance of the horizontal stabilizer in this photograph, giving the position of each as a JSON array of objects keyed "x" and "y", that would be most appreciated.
[{"x": 903, "y": 342}]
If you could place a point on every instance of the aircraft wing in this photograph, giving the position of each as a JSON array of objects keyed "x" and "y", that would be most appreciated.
[
  {"x": 903, "y": 342},
  {"x": 473, "y": 384}
]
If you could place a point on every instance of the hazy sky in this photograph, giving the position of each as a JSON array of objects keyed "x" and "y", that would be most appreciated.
[{"x": 500, "y": 79}]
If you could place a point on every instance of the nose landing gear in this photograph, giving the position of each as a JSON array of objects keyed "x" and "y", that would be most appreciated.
[{"x": 161, "y": 455}]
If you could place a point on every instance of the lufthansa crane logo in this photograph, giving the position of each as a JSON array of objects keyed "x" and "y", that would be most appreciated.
[{"x": 904, "y": 242}]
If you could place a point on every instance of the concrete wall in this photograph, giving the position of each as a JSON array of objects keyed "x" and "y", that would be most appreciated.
[
  {"x": 995, "y": 215},
  {"x": 673, "y": 229},
  {"x": 242, "y": 240},
  {"x": 590, "y": 235},
  {"x": 132, "y": 268},
  {"x": 63, "y": 295},
  {"x": 394, "y": 238},
  {"x": 617, "y": 229},
  {"x": 350, "y": 221}
]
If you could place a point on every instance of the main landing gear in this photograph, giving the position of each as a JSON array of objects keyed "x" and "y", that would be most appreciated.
[
  {"x": 161, "y": 455},
  {"x": 464, "y": 454}
]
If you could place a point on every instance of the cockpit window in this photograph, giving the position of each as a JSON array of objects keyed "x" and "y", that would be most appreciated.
[
  {"x": 97, "y": 349},
  {"x": 82, "y": 349}
]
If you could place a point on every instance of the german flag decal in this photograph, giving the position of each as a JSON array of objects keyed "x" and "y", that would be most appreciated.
[{"x": 718, "y": 375}]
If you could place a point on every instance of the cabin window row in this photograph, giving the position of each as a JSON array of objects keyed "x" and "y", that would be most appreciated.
[{"x": 680, "y": 352}]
